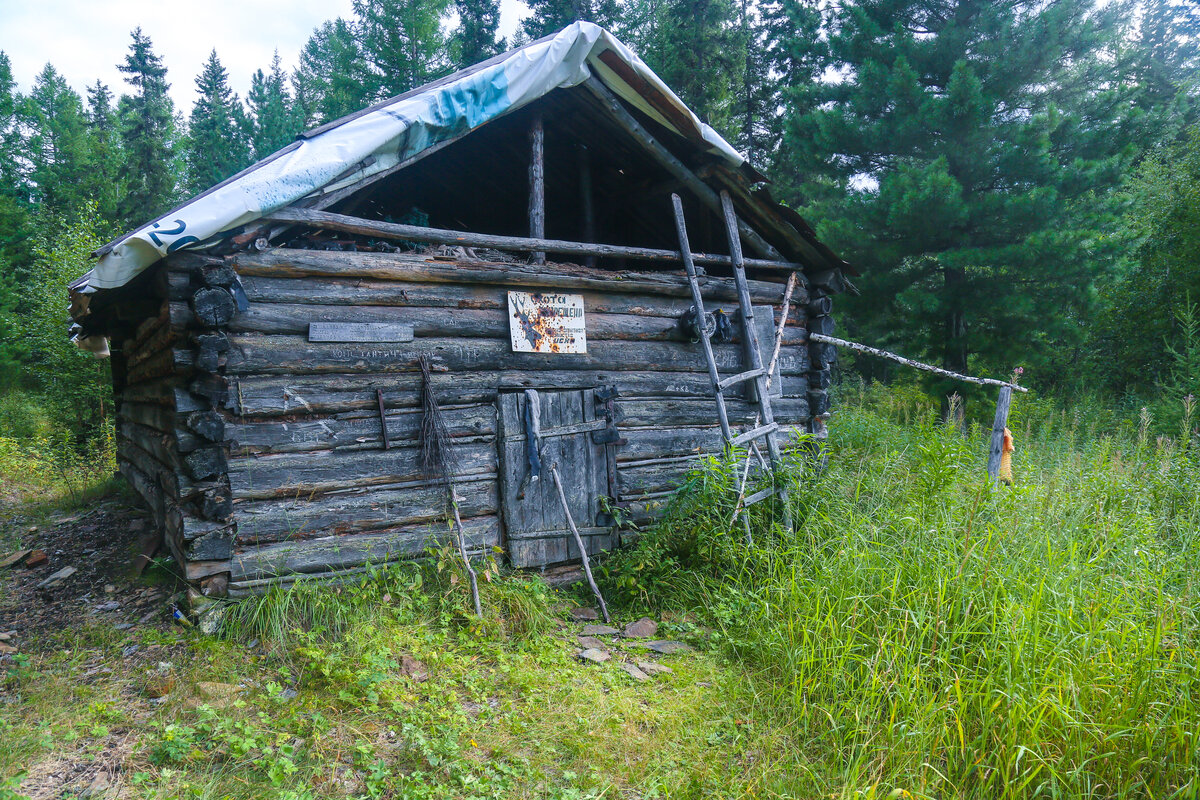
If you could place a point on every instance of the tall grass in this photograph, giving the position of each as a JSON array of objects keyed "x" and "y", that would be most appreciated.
[{"x": 925, "y": 632}]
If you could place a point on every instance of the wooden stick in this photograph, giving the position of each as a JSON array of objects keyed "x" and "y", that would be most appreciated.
[
  {"x": 537, "y": 185},
  {"x": 462, "y": 552},
  {"x": 387, "y": 444},
  {"x": 874, "y": 351},
  {"x": 583, "y": 555},
  {"x": 998, "y": 426},
  {"x": 391, "y": 230}
]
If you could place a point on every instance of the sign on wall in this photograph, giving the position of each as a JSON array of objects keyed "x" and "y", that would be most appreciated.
[
  {"x": 547, "y": 322},
  {"x": 359, "y": 332}
]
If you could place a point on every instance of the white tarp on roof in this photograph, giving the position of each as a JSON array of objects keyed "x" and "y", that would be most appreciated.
[{"x": 398, "y": 130}]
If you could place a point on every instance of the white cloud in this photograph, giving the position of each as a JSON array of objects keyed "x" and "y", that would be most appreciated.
[{"x": 85, "y": 39}]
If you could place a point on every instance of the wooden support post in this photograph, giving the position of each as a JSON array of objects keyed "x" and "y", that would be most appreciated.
[
  {"x": 586, "y": 205},
  {"x": 462, "y": 552},
  {"x": 583, "y": 555},
  {"x": 998, "y": 426},
  {"x": 537, "y": 185},
  {"x": 387, "y": 445}
]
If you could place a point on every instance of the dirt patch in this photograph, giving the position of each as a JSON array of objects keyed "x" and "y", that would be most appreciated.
[
  {"x": 101, "y": 544},
  {"x": 88, "y": 774}
]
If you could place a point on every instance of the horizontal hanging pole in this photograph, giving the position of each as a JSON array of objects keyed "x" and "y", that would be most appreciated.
[
  {"x": 908, "y": 362},
  {"x": 391, "y": 230}
]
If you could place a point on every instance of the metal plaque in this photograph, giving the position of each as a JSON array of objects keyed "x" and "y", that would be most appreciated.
[
  {"x": 359, "y": 332},
  {"x": 546, "y": 322}
]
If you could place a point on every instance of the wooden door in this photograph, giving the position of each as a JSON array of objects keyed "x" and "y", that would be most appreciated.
[{"x": 536, "y": 529}]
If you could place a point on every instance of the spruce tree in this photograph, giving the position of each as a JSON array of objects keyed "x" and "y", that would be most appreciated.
[
  {"x": 474, "y": 39},
  {"x": 147, "y": 130},
  {"x": 102, "y": 180},
  {"x": 331, "y": 79},
  {"x": 402, "y": 42},
  {"x": 216, "y": 145},
  {"x": 551, "y": 16},
  {"x": 272, "y": 120},
  {"x": 56, "y": 144},
  {"x": 965, "y": 163}
]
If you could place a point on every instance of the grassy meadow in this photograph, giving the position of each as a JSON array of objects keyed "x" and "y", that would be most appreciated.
[{"x": 922, "y": 634}]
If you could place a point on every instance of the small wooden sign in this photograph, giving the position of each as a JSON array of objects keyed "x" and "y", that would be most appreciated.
[
  {"x": 546, "y": 322},
  {"x": 359, "y": 332}
]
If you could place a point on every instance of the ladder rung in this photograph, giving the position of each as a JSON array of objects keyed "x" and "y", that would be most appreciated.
[
  {"x": 748, "y": 375},
  {"x": 757, "y": 433},
  {"x": 759, "y": 496}
]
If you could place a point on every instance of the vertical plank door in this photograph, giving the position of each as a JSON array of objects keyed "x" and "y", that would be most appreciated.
[{"x": 536, "y": 529}]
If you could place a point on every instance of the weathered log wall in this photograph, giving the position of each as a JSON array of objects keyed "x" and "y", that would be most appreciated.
[{"x": 313, "y": 488}]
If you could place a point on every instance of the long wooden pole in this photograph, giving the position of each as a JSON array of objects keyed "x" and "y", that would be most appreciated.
[
  {"x": 392, "y": 230},
  {"x": 682, "y": 173},
  {"x": 998, "y": 426},
  {"x": 537, "y": 185},
  {"x": 875, "y": 351},
  {"x": 587, "y": 206},
  {"x": 583, "y": 554}
]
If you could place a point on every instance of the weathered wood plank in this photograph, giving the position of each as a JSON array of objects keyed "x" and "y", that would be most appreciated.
[
  {"x": 365, "y": 509},
  {"x": 342, "y": 552},
  {"x": 354, "y": 430},
  {"x": 645, "y": 412},
  {"x": 255, "y": 355},
  {"x": 417, "y": 268},
  {"x": 616, "y": 298},
  {"x": 295, "y": 319},
  {"x": 276, "y": 395},
  {"x": 295, "y": 474}
]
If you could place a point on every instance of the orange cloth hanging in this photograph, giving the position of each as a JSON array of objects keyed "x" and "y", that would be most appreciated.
[{"x": 1006, "y": 451}]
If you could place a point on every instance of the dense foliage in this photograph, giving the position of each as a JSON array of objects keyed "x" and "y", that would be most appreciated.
[{"x": 1015, "y": 181}]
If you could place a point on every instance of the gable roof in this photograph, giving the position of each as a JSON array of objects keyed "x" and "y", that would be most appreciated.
[{"x": 355, "y": 148}]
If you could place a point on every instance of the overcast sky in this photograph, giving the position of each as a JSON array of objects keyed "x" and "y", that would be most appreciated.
[{"x": 85, "y": 39}]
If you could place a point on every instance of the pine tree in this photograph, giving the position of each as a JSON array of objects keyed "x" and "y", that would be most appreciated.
[
  {"x": 402, "y": 42},
  {"x": 964, "y": 141},
  {"x": 551, "y": 16},
  {"x": 147, "y": 130},
  {"x": 331, "y": 79},
  {"x": 700, "y": 52},
  {"x": 272, "y": 120},
  {"x": 56, "y": 144},
  {"x": 475, "y": 38},
  {"x": 11, "y": 142},
  {"x": 756, "y": 102},
  {"x": 216, "y": 145},
  {"x": 16, "y": 227}
]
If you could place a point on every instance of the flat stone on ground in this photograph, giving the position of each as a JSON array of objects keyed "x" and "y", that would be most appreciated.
[
  {"x": 595, "y": 656},
  {"x": 644, "y": 628},
  {"x": 654, "y": 668},
  {"x": 13, "y": 558},
  {"x": 634, "y": 672},
  {"x": 666, "y": 646},
  {"x": 37, "y": 558},
  {"x": 599, "y": 630},
  {"x": 584, "y": 614},
  {"x": 592, "y": 643},
  {"x": 57, "y": 578}
]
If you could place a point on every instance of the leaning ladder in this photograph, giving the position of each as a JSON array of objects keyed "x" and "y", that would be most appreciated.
[{"x": 757, "y": 373}]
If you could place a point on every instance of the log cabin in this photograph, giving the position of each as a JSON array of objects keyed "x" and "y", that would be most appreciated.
[{"x": 509, "y": 226}]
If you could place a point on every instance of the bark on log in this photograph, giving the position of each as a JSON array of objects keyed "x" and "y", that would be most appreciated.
[
  {"x": 342, "y": 552},
  {"x": 417, "y": 268}
]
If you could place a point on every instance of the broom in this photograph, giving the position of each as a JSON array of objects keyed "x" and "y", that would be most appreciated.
[{"x": 438, "y": 464}]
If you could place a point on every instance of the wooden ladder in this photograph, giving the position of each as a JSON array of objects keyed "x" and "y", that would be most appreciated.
[{"x": 768, "y": 429}]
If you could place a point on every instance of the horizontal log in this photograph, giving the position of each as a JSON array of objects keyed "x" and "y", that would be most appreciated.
[
  {"x": 145, "y": 329},
  {"x": 272, "y": 395},
  {"x": 358, "y": 430},
  {"x": 365, "y": 509},
  {"x": 157, "y": 417},
  {"x": 416, "y": 268},
  {"x": 163, "y": 336},
  {"x": 160, "y": 446},
  {"x": 165, "y": 363},
  {"x": 288, "y": 318},
  {"x": 829, "y": 341},
  {"x": 343, "y": 552},
  {"x": 391, "y": 230},
  {"x": 213, "y": 306},
  {"x": 252, "y": 354},
  {"x": 645, "y": 412},
  {"x": 144, "y": 485},
  {"x": 613, "y": 299},
  {"x": 295, "y": 474}
]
